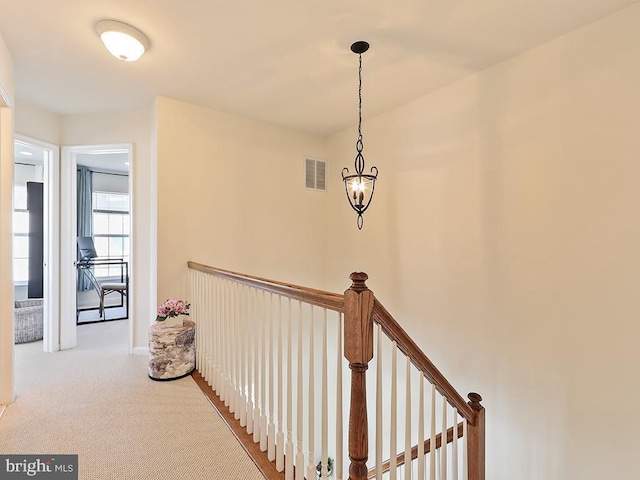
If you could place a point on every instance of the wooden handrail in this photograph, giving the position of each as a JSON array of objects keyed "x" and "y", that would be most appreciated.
[
  {"x": 421, "y": 362},
  {"x": 386, "y": 466},
  {"x": 321, "y": 298},
  {"x": 335, "y": 301},
  {"x": 361, "y": 309}
]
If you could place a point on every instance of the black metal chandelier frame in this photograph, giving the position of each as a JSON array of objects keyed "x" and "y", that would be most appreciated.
[{"x": 359, "y": 180}]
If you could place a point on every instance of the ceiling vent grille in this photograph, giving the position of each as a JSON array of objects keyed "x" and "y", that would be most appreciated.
[{"x": 315, "y": 174}]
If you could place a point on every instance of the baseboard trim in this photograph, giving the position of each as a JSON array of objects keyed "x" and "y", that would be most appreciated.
[
  {"x": 141, "y": 350},
  {"x": 267, "y": 468}
]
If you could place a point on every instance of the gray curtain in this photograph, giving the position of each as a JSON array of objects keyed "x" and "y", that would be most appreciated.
[{"x": 85, "y": 215}]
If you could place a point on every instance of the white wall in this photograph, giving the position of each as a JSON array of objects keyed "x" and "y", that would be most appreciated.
[
  {"x": 37, "y": 123},
  {"x": 6, "y": 70},
  {"x": 231, "y": 194},
  {"x": 6, "y": 208},
  {"x": 504, "y": 236},
  {"x": 128, "y": 127}
]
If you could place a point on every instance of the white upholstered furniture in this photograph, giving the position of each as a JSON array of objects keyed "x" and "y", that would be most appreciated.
[{"x": 28, "y": 318}]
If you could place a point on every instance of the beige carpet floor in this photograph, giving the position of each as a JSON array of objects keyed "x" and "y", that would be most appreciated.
[{"x": 97, "y": 401}]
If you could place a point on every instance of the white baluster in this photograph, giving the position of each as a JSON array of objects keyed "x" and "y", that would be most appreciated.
[
  {"x": 218, "y": 329},
  {"x": 256, "y": 371},
  {"x": 250, "y": 327},
  {"x": 324, "y": 445},
  {"x": 465, "y": 457},
  {"x": 379, "y": 405},
  {"x": 210, "y": 331},
  {"x": 421, "y": 438},
  {"x": 454, "y": 446},
  {"x": 238, "y": 353},
  {"x": 271, "y": 436},
  {"x": 234, "y": 351},
  {"x": 393, "y": 461},
  {"x": 204, "y": 321},
  {"x": 242, "y": 327},
  {"x": 263, "y": 373},
  {"x": 195, "y": 303},
  {"x": 237, "y": 348},
  {"x": 201, "y": 315},
  {"x": 194, "y": 316},
  {"x": 443, "y": 454},
  {"x": 407, "y": 425},
  {"x": 338, "y": 465},
  {"x": 225, "y": 345},
  {"x": 299, "y": 433},
  {"x": 213, "y": 329},
  {"x": 208, "y": 290},
  {"x": 432, "y": 454},
  {"x": 229, "y": 393},
  {"x": 211, "y": 290},
  {"x": 280, "y": 433},
  {"x": 289, "y": 448},
  {"x": 311, "y": 467}
]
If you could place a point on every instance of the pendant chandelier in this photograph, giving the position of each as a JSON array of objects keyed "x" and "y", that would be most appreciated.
[{"x": 359, "y": 186}]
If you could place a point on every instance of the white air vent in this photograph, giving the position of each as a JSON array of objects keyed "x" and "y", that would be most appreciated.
[{"x": 314, "y": 174}]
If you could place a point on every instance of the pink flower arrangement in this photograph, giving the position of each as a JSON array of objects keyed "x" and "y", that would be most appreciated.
[{"x": 172, "y": 308}]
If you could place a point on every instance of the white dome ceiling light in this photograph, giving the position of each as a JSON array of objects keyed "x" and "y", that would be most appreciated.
[{"x": 123, "y": 41}]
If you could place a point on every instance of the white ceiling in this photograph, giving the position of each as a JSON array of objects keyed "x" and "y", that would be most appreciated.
[
  {"x": 28, "y": 154},
  {"x": 105, "y": 161},
  {"x": 282, "y": 61}
]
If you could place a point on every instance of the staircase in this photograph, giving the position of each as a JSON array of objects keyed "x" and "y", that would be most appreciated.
[{"x": 278, "y": 359}]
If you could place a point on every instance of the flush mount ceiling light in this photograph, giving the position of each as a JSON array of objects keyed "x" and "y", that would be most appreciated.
[
  {"x": 359, "y": 186},
  {"x": 123, "y": 41}
]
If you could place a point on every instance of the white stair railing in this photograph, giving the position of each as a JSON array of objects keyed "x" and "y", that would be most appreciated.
[
  {"x": 250, "y": 342},
  {"x": 273, "y": 353}
]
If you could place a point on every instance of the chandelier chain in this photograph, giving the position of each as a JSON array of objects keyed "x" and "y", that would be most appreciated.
[
  {"x": 359, "y": 162},
  {"x": 360, "y": 98}
]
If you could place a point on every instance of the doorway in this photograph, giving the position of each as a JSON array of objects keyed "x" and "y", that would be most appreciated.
[
  {"x": 101, "y": 174},
  {"x": 36, "y": 233}
]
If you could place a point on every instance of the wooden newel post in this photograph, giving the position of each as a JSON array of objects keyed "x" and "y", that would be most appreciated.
[
  {"x": 475, "y": 440},
  {"x": 358, "y": 350}
]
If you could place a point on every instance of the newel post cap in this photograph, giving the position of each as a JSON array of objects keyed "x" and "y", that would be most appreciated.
[
  {"x": 358, "y": 280},
  {"x": 474, "y": 401}
]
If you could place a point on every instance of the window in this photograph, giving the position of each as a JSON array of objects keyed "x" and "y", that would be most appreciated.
[
  {"x": 111, "y": 229},
  {"x": 20, "y": 235},
  {"x": 23, "y": 173}
]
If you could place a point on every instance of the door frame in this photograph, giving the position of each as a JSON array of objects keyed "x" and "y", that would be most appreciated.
[
  {"x": 51, "y": 331},
  {"x": 68, "y": 234},
  {"x": 7, "y": 370}
]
